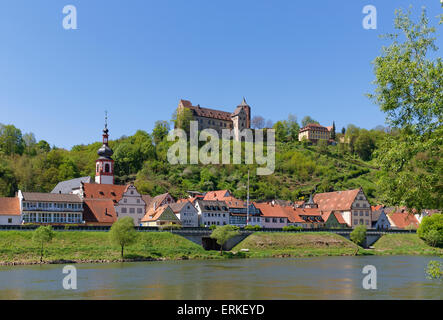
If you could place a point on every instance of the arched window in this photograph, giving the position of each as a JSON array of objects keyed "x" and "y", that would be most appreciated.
[{"x": 107, "y": 167}]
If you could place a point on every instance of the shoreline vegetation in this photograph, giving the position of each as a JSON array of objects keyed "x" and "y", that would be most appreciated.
[{"x": 17, "y": 247}]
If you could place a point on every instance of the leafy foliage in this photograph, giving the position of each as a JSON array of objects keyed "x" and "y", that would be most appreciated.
[
  {"x": 223, "y": 233},
  {"x": 122, "y": 233},
  {"x": 409, "y": 89},
  {"x": 358, "y": 235},
  {"x": 41, "y": 236},
  {"x": 431, "y": 230}
]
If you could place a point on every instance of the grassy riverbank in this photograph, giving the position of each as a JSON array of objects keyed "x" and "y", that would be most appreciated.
[
  {"x": 17, "y": 247},
  {"x": 281, "y": 244},
  {"x": 404, "y": 244}
]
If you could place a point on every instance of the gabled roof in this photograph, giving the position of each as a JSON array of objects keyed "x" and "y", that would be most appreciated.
[
  {"x": 157, "y": 200},
  {"x": 232, "y": 202},
  {"x": 9, "y": 206},
  {"x": 104, "y": 191},
  {"x": 99, "y": 211},
  {"x": 178, "y": 206},
  {"x": 337, "y": 215},
  {"x": 51, "y": 197},
  {"x": 337, "y": 200},
  {"x": 214, "y": 203},
  {"x": 69, "y": 185},
  {"x": 217, "y": 195},
  {"x": 154, "y": 215},
  {"x": 314, "y": 126},
  {"x": 402, "y": 220}
]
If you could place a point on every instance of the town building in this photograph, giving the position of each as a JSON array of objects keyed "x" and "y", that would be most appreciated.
[
  {"x": 186, "y": 212},
  {"x": 10, "y": 213},
  {"x": 51, "y": 208},
  {"x": 402, "y": 220},
  {"x": 212, "y": 212},
  {"x": 238, "y": 209},
  {"x": 353, "y": 205},
  {"x": 273, "y": 216},
  {"x": 218, "y": 120},
  {"x": 127, "y": 201},
  {"x": 314, "y": 132},
  {"x": 160, "y": 216},
  {"x": 379, "y": 218},
  {"x": 99, "y": 212}
]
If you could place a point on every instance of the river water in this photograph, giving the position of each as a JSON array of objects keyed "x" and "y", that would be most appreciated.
[{"x": 398, "y": 277}]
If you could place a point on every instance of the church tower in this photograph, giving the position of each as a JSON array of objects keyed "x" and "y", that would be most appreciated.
[{"x": 104, "y": 165}]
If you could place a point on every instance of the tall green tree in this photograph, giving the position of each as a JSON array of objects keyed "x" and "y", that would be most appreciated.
[
  {"x": 11, "y": 140},
  {"x": 409, "y": 89},
  {"x": 161, "y": 129},
  {"x": 43, "y": 235},
  {"x": 122, "y": 233}
]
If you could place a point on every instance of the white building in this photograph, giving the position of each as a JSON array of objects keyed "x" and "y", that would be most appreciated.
[
  {"x": 212, "y": 212},
  {"x": 10, "y": 213},
  {"x": 50, "y": 208},
  {"x": 186, "y": 212}
]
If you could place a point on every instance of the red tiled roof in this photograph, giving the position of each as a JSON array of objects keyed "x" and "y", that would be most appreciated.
[
  {"x": 269, "y": 210},
  {"x": 157, "y": 200},
  {"x": 154, "y": 215},
  {"x": 10, "y": 206},
  {"x": 337, "y": 215},
  {"x": 217, "y": 195},
  {"x": 403, "y": 219},
  {"x": 232, "y": 202},
  {"x": 99, "y": 211},
  {"x": 377, "y": 207},
  {"x": 104, "y": 191},
  {"x": 337, "y": 200},
  {"x": 314, "y": 126}
]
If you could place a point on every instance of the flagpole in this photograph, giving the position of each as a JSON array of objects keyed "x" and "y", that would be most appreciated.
[{"x": 247, "y": 204}]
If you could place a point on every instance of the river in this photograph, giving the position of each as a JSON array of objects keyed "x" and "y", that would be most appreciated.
[{"x": 398, "y": 277}]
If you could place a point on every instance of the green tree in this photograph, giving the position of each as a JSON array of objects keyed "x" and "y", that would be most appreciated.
[
  {"x": 293, "y": 127},
  {"x": 358, "y": 235},
  {"x": 223, "y": 233},
  {"x": 431, "y": 230},
  {"x": 122, "y": 233},
  {"x": 42, "y": 235},
  {"x": 409, "y": 89},
  {"x": 281, "y": 131},
  {"x": 333, "y": 135},
  {"x": 161, "y": 129},
  {"x": 8, "y": 183},
  {"x": 43, "y": 146},
  {"x": 364, "y": 145},
  {"x": 11, "y": 140},
  {"x": 307, "y": 120}
]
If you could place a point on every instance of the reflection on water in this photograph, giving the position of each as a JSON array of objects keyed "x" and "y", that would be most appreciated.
[{"x": 302, "y": 278}]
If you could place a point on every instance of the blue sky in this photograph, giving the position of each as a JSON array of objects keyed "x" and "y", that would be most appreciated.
[{"x": 136, "y": 59}]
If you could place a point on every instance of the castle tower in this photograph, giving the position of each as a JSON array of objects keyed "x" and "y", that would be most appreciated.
[
  {"x": 247, "y": 110},
  {"x": 104, "y": 165}
]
